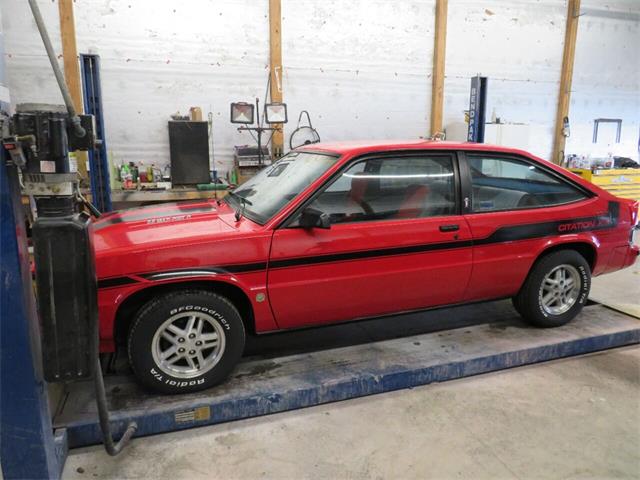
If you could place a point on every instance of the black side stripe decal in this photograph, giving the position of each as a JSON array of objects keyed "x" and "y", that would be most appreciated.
[
  {"x": 206, "y": 271},
  {"x": 502, "y": 235},
  {"x": 538, "y": 230},
  {"x": 182, "y": 273},
  {"x": 294, "y": 262},
  {"x": 115, "y": 282}
]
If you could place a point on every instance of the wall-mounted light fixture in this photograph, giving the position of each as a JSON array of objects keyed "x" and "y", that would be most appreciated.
[
  {"x": 275, "y": 112},
  {"x": 242, "y": 112}
]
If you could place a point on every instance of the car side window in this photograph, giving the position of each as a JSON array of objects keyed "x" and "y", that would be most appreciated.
[
  {"x": 391, "y": 188},
  {"x": 507, "y": 184}
]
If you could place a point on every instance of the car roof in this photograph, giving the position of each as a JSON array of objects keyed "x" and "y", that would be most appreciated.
[{"x": 371, "y": 146}]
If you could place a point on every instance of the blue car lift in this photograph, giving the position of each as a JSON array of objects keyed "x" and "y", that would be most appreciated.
[
  {"x": 98, "y": 159},
  {"x": 341, "y": 362},
  {"x": 28, "y": 447}
]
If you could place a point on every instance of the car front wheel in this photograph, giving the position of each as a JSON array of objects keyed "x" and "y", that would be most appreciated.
[
  {"x": 555, "y": 290},
  {"x": 185, "y": 341}
]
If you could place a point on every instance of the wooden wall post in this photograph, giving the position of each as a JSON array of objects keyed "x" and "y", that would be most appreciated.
[
  {"x": 566, "y": 77},
  {"x": 439, "y": 53},
  {"x": 72, "y": 67},
  {"x": 275, "y": 66}
]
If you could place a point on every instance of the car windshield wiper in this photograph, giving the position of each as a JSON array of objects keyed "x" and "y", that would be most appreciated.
[{"x": 243, "y": 202}]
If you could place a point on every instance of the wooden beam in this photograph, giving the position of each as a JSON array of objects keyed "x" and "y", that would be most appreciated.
[
  {"x": 275, "y": 66},
  {"x": 70, "y": 52},
  {"x": 72, "y": 66},
  {"x": 566, "y": 77},
  {"x": 439, "y": 54}
]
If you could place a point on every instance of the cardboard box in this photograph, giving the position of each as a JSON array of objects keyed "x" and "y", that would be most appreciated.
[{"x": 195, "y": 114}]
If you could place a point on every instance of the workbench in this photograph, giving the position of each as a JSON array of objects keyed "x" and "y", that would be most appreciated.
[{"x": 131, "y": 198}]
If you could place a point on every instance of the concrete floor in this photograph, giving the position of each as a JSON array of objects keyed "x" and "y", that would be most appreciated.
[
  {"x": 574, "y": 418},
  {"x": 620, "y": 290}
]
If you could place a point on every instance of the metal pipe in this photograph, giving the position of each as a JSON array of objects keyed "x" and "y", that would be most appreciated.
[
  {"x": 110, "y": 446},
  {"x": 75, "y": 119}
]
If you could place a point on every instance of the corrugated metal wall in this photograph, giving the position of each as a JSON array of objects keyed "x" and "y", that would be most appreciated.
[{"x": 361, "y": 67}]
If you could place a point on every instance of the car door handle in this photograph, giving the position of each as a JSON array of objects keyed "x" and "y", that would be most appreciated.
[{"x": 449, "y": 228}]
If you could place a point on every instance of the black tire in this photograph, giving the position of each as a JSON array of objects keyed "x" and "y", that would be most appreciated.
[
  {"x": 529, "y": 301},
  {"x": 217, "y": 317},
  {"x": 516, "y": 304}
]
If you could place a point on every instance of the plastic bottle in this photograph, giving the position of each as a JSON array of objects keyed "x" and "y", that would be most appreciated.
[
  {"x": 134, "y": 172},
  {"x": 124, "y": 170},
  {"x": 125, "y": 175}
]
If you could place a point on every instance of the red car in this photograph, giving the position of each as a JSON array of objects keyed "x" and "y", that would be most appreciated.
[{"x": 346, "y": 231}]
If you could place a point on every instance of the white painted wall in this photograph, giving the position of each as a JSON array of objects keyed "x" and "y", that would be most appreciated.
[
  {"x": 4, "y": 90},
  {"x": 157, "y": 57},
  {"x": 606, "y": 82},
  {"x": 361, "y": 67},
  {"x": 518, "y": 45}
]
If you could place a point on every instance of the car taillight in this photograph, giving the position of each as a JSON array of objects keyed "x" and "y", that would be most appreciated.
[
  {"x": 634, "y": 207},
  {"x": 633, "y": 211}
]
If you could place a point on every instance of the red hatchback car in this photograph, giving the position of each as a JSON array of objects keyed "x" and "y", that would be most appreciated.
[{"x": 338, "y": 232}]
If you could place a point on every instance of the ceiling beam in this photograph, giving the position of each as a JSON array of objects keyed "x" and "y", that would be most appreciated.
[
  {"x": 439, "y": 54},
  {"x": 566, "y": 78}
]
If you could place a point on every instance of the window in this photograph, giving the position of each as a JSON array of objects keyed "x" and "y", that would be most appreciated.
[
  {"x": 275, "y": 186},
  {"x": 505, "y": 184},
  {"x": 391, "y": 188}
]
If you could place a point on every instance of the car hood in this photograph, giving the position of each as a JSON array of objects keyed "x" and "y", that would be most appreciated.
[{"x": 157, "y": 226}]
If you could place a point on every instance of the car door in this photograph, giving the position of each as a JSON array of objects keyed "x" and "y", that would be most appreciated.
[
  {"x": 512, "y": 206},
  {"x": 397, "y": 242}
]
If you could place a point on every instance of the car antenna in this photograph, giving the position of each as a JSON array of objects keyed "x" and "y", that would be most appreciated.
[{"x": 213, "y": 158}]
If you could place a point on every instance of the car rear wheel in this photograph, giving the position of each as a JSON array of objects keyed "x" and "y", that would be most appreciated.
[
  {"x": 555, "y": 290},
  {"x": 185, "y": 341}
]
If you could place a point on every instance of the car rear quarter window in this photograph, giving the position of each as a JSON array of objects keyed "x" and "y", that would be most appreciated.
[{"x": 508, "y": 184}]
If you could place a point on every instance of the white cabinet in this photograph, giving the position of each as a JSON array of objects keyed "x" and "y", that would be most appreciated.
[{"x": 514, "y": 135}]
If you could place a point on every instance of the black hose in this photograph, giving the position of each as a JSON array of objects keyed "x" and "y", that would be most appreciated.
[
  {"x": 92, "y": 208},
  {"x": 75, "y": 119},
  {"x": 110, "y": 446}
]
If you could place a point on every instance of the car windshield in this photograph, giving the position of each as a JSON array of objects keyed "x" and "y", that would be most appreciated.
[{"x": 276, "y": 185}]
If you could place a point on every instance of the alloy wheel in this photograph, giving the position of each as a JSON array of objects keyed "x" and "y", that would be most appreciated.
[
  {"x": 560, "y": 289},
  {"x": 188, "y": 344}
]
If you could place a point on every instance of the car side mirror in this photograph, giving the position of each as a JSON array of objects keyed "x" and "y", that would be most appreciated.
[{"x": 313, "y": 218}]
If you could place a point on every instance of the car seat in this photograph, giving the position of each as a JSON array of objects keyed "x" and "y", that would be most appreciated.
[
  {"x": 358, "y": 191},
  {"x": 414, "y": 203}
]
